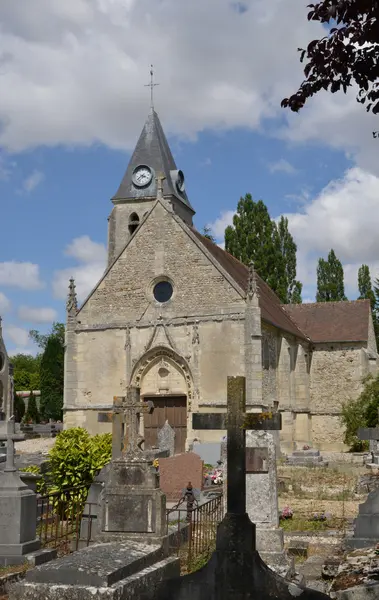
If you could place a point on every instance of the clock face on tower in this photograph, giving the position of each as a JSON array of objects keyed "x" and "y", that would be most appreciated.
[{"x": 142, "y": 176}]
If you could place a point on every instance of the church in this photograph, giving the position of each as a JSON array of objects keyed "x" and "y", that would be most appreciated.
[{"x": 174, "y": 314}]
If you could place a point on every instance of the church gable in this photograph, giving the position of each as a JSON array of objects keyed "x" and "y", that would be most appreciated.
[{"x": 160, "y": 256}]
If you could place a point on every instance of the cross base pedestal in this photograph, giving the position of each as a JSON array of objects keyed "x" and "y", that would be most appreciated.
[
  {"x": 131, "y": 502},
  {"x": 234, "y": 572}
]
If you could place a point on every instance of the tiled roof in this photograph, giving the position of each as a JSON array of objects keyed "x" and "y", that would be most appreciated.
[
  {"x": 333, "y": 321},
  {"x": 271, "y": 309}
]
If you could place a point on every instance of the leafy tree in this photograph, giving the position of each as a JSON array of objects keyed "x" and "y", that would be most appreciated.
[
  {"x": 207, "y": 233},
  {"x": 254, "y": 237},
  {"x": 330, "y": 279},
  {"x": 32, "y": 414},
  {"x": 58, "y": 331},
  {"x": 365, "y": 286},
  {"x": 288, "y": 249},
  {"x": 26, "y": 372},
  {"x": 52, "y": 366},
  {"x": 362, "y": 412},
  {"x": 18, "y": 407},
  {"x": 348, "y": 54}
]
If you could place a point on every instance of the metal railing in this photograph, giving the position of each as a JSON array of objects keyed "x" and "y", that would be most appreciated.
[
  {"x": 60, "y": 517},
  {"x": 196, "y": 530}
]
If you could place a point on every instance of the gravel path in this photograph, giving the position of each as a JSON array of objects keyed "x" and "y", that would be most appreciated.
[{"x": 38, "y": 445}]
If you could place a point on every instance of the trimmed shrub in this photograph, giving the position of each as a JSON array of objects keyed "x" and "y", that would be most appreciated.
[{"x": 32, "y": 414}]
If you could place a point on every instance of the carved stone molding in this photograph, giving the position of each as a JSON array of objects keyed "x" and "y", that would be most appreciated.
[{"x": 157, "y": 355}]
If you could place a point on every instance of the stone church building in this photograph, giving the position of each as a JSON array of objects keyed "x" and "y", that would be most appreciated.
[{"x": 174, "y": 314}]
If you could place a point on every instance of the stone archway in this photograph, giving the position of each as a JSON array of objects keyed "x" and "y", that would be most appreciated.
[{"x": 164, "y": 378}]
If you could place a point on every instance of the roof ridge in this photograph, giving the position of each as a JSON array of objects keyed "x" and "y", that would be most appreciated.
[{"x": 272, "y": 301}]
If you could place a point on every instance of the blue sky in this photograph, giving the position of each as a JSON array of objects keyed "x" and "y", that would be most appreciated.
[{"x": 74, "y": 105}]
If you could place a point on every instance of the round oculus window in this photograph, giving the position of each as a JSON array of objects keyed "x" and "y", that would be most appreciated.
[{"x": 163, "y": 291}]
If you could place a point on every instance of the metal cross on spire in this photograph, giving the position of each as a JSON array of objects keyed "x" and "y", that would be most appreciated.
[{"x": 151, "y": 85}]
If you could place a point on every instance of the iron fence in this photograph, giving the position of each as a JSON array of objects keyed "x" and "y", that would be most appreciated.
[
  {"x": 60, "y": 519},
  {"x": 196, "y": 530}
]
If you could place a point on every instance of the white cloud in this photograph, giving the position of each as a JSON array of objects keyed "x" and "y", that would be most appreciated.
[
  {"x": 91, "y": 257},
  {"x": 219, "y": 225},
  {"x": 4, "y": 303},
  {"x": 338, "y": 121},
  {"x": 58, "y": 52},
  {"x": 282, "y": 166},
  {"x": 85, "y": 250},
  {"x": 32, "y": 181},
  {"x": 37, "y": 315},
  {"x": 18, "y": 335},
  {"x": 22, "y": 275},
  {"x": 344, "y": 216}
]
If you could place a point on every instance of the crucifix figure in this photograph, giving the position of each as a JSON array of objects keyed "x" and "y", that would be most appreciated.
[
  {"x": 151, "y": 85},
  {"x": 11, "y": 437},
  {"x": 125, "y": 413},
  {"x": 237, "y": 421}
]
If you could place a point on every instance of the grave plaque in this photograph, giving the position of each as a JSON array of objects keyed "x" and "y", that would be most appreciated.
[{"x": 256, "y": 460}]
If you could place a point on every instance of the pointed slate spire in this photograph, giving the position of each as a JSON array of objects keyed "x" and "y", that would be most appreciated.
[
  {"x": 152, "y": 150},
  {"x": 252, "y": 284},
  {"x": 72, "y": 301}
]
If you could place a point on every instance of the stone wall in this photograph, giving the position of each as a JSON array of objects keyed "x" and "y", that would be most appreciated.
[
  {"x": 160, "y": 247},
  {"x": 123, "y": 336},
  {"x": 335, "y": 376}
]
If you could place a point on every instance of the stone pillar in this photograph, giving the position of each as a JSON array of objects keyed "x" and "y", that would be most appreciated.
[
  {"x": 70, "y": 355},
  {"x": 303, "y": 430},
  {"x": 253, "y": 345},
  {"x": 284, "y": 396}
]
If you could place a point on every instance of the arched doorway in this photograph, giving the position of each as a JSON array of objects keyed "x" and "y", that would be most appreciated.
[{"x": 165, "y": 379}]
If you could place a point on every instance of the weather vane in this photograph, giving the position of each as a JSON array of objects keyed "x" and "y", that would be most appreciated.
[{"x": 152, "y": 85}]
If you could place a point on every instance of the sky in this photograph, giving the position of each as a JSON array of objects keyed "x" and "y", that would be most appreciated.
[{"x": 73, "y": 102}]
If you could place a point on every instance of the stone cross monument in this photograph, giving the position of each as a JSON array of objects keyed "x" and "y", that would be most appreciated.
[{"x": 235, "y": 570}]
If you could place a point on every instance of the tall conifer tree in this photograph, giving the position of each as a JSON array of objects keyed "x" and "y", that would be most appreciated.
[
  {"x": 52, "y": 378},
  {"x": 255, "y": 237},
  {"x": 330, "y": 279},
  {"x": 288, "y": 249}
]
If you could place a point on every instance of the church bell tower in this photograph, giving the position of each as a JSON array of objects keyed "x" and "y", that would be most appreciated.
[{"x": 151, "y": 159}]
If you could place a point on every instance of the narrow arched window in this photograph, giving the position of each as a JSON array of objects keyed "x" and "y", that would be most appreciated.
[
  {"x": 265, "y": 355},
  {"x": 133, "y": 223}
]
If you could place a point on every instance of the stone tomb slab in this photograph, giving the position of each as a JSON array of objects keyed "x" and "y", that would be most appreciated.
[
  {"x": 99, "y": 565},
  {"x": 110, "y": 571},
  {"x": 176, "y": 471}
]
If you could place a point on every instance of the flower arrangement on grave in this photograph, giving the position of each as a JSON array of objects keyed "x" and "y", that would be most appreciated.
[
  {"x": 306, "y": 447},
  {"x": 217, "y": 477},
  {"x": 286, "y": 513},
  {"x": 319, "y": 517},
  {"x": 156, "y": 464}
]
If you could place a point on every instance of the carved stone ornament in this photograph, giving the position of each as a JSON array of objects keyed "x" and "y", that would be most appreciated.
[
  {"x": 159, "y": 355},
  {"x": 195, "y": 333}
]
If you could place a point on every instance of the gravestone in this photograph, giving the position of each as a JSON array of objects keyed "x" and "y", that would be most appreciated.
[
  {"x": 131, "y": 502},
  {"x": 235, "y": 570},
  {"x": 18, "y": 510},
  {"x": 208, "y": 451},
  {"x": 176, "y": 471},
  {"x": 306, "y": 458},
  {"x": 166, "y": 439},
  {"x": 261, "y": 488},
  {"x": 124, "y": 418},
  {"x": 371, "y": 434},
  {"x": 262, "y": 497}
]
